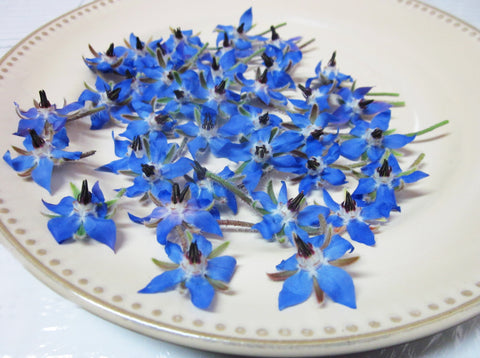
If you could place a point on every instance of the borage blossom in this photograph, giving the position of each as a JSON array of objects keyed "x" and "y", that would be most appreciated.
[
  {"x": 286, "y": 216},
  {"x": 314, "y": 268},
  {"x": 40, "y": 155},
  {"x": 182, "y": 209},
  {"x": 198, "y": 269},
  {"x": 383, "y": 178},
  {"x": 85, "y": 215}
]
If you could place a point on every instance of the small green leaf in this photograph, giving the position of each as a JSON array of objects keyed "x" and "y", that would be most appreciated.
[
  {"x": 75, "y": 190},
  {"x": 270, "y": 192},
  {"x": 218, "y": 250},
  {"x": 165, "y": 265},
  {"x": 217, "y": 284}
]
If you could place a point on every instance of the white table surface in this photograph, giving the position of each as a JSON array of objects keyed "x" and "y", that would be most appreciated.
[{"x": 37, "y": 322}]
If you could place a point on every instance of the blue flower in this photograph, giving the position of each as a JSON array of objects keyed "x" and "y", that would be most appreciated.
[
  {"x": 266, "y": 87},
  {"x": 41, "y": 155},
  {"x": 249, "y": 119},
  {"x": 327, "y": 75},
  {"x": 353, "y": 217},
  {"x": 284, "y": 215},
  {"x": 180, "y": 209},
  {"x": 154, "y": 172},
  {"x": 112, "y": 61},
  {"x": 313, "y": 268},
  {"x": 353, "y": 105},
  {"x": 87, "y": 215},
  {"x": 383, "y": 178},
  {"x": 132, "y": 154},
  {"x": 317, "y": 166},
  {"x": 372, "y": 140},
  {"x": 265, "y": 148},
  {"x": 42, "y": 115},
  {"x": 110, "y": 102},
  {"x": 198, "y": 269}
]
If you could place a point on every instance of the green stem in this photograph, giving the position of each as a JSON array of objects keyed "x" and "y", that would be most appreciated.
[
  {"x": 233, "y": 188},
  {"x": 235, "y": 223},
  {"x": 429, "y": 129},
  {"x": 246, "y": 60},
  {"x": 276, "y": 27},
  {"x": 383, "y": 94},
  {"x": 84, "y": 114},
  {"x": 397, "y": 104},
  {"x": 306, "y": 44}
]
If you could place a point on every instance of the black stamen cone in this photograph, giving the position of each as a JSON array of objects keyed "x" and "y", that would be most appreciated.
[
  {"x": 312, "y": 163},
  {"x": 377, "y": 133},
  {"x": 267, "y": 60},
  {"x": 317, "y": 133},
  {"x": 226, "y": 40},
  {"x": 294, "y": 203},
  {"x": 307, "y": 92},
  {"x": 220, "y": 88},
  {"x": 44, "y": 102},
  {"x": 179, "y": 94},
  {"x": 215, "y": 65},
  {"x": 303, "y": 249},
  {"x": 364, "y": 103},
  {"x": 137, "y": 143},
  {"x": 240, "y": 29},
  {"x": 385, "y": 169},
  {"x": 138, "y": 44},
  {"x": 274, "y": 33},
  {"x": 194, "y": 255},
  {"x": 160, "y": 46},
  {"x": 178, "y": 33},
  {"x": 113, "y": 94},
  {"x": 207, "y": 122},
  {"x": 162, "y": 118},
  {"x": 332, "y": 61},
  {"x": 263, "y": 77},
  {"x": 264, "y": 118},
  {"x": 37, "y": 141},
  {"x": 175, "y": 193},
  {"x": 349, "y": 204},
  {"x": 199, "y": 170},
  {"x": 148, "y": 170},
  {"x": 85, "y": 197},
  {"x": 109, "y": 51}
]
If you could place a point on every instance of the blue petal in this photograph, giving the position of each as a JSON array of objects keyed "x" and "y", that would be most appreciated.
[
  {"x": 374, "y": 153},
  {"x": 334, "y": 176},
  {"x": 353, "y": 148},
  {"x": 201, "y": 291},
  {"x": 337, "y": 248},
  {"x": 20, "y": 163},
  {"x": 337, "y": 284},
  {"x": 282, "y": 195},
  {"x": 64, "y": 207},
  {"x": 203, "y": 244},
  {"x": 42, "y": 174},
  {"x": 177, "y": 169},
  {"x": 296, "y": 289},
  {"x": 97, "y": 193},
  {"x": 165, "y": 226},
  {"x": 174, "y": 252},
  {"x": 102, "y": 230},
  {"x": 204, "y": 221},
  {"x": 365, "y": 186},
  {"x": 413, "y": 177},
  {"x": 397, "y": 140},
  {"x": 246, "y": 20},
  {"x": 289, "y": 264},
  {"x": 360, "y": 232},
  {"x": 221, "y": 268},
  {"x": 381, "y": 121},
  {"x": 196, "y": 145},
  {"x": 63, "y": 228},
  {"x": 309, "y": 215},
  {"x": 269, "y": 226},
  {"x": 164, "y": 282},
  {"x": 330, "y": 202}
]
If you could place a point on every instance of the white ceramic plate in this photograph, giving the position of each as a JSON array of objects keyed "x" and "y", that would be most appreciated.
[{"x": 421, "y": 277}]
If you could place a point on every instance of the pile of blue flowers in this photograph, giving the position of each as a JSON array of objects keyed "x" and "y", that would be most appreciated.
[{"x": 178, "y": 102}]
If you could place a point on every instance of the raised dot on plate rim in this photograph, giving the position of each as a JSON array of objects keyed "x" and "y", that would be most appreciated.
[
  {"x": 352, "y": 328},
  {"x": 262, "y": 332},
  {"x": 177, "y": 318},
  {"x": 284, "y": 331},
  {"x": 54, "y": 262},
  {"x": 41, "y": 252},
  {"x": 329, "y": 329},
  {"x": 98, "y": 289},
  {"x": 198, "y": 323},
  {"x": 466, "y": 293},
  {"x": 136, "y": 305},
  {"x": 11, "y": 220},
  {"x": 30, "y": 242},
  {"x": 449, "y": 301},
  {"x": 433, "y": 306},
  {"x": 67, "y": 272},
  {"x": 240, "y": 330},
  {"x": 396, "y": 319},
  {"x": 20, "y": 231},
  {"x": 83, "y": 281},
  {"x": 117, "y": 298},
  {"x": 415, "y": 313},
  {"x": 156, "y": 312},
  {"x": 374, "y": 324},
  {"x": 220, "y": 327},
  {"x": 307, "y": 332}
]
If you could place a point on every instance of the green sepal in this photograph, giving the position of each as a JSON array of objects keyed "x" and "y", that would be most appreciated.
[
  {"x": 75, "y": 190},
  {"x": 270, "y": 192},
  {"x": 165, "y": 265},
  {"x": 218, "y": 250}
]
